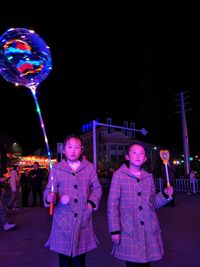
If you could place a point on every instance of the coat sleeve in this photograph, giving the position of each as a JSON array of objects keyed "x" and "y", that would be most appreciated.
[
  {"x": 113, "y": 204},
  {"x": 95, "y": 189},
  {"x": 157, "y": 199}
]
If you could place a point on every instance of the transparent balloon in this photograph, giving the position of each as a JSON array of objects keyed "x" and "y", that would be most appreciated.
[{"x": 25, "y": 58}]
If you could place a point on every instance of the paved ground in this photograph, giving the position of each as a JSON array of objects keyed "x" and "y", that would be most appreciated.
[{"x": 180, "y": 226}]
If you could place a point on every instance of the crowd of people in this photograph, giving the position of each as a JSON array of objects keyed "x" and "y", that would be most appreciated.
[{"x": 21, "y": 187}]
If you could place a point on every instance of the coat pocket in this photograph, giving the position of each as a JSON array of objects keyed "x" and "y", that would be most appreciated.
[
  {"x": 155, "y": 223},
  {"x": 62, "y": 218},
  {"x": 87, "y": 214},
  {"x": 129, "y": 226}
]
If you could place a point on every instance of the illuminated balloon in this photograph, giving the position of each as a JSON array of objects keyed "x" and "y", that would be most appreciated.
[{"x": 25, "y": 58}]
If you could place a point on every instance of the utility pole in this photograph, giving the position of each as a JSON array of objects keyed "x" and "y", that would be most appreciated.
[{"x": 184, "y": 130}]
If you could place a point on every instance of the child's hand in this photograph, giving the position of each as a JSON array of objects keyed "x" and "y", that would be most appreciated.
[
  {"x": 51, "y": 198},
  {"x": 89, "y": 206},
  {"x": 116, "y": 238},
  {"x": 169, "y": 190}
]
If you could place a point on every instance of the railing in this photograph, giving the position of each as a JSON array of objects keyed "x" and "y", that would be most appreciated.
[{"x": 180, "y": 184}]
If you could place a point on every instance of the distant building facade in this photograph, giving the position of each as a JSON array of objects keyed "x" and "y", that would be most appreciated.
[{"x": 111, "y": 146}]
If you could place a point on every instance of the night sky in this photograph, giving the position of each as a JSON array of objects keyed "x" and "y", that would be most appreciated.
[{"x": 106, "y": 68}]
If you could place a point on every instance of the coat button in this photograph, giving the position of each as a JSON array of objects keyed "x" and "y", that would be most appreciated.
[
  {"x": 75, "y": 186},
  {"x": 139, "y": 194},
  {"x": 140, "y": 208},
  {"x": 138, "y": 180},
  {"x": 75, "y": 200},
  {"x": 75, "y": 215},
  {"x": 141, "y": 222}
]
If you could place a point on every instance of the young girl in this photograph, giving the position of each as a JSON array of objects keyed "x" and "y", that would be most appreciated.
[
  {"x": 132, "y": 218},
  {"x": 77, "y": 194}
]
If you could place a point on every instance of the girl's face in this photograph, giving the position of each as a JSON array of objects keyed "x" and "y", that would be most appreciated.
[
  {"x": 73, "y": 149},
  {"x": 136, "y": 155}
]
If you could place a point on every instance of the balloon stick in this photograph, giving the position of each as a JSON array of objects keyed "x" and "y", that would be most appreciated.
[{"x": 33, "y": 90}]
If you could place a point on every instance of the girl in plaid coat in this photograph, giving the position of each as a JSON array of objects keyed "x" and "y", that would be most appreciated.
[
  {"x": 132, "y": 218},
  {"x": 76, "y": 195}
]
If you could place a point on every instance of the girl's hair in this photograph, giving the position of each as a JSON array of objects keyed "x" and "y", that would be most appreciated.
[
  {"x": 136, "y": 143},
  {"x": 69, "y": 137}
]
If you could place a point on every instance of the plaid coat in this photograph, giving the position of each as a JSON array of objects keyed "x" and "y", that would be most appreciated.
[
  {"x": 131, "y": 210},
  {"x": 72, "y": 231}
]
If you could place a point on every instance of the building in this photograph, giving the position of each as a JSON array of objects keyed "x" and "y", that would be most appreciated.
[{"x": 111, "y": 146}]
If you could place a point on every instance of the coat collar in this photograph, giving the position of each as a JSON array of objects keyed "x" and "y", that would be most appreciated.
[
  {"x": 124, "y": 169},
  {"x": 63, "y": 166}
]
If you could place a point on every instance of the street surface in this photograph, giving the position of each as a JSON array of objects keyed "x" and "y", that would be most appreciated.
[{"x": 24, "y": 247}]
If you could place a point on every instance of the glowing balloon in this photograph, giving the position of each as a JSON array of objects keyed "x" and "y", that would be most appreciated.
[{"x": 25, "y": 58}]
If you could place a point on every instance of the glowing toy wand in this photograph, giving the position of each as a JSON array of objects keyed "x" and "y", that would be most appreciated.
[{"x": 164, "y": 154}]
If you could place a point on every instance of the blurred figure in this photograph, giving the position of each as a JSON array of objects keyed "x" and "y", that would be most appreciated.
[
  {"x": 110, "y": 173},
  {"x": 36, "y": 184},
  {"x": 14, "y": 186},
  {"x": 4, "y": 186},
  {"x": 192, "y": 177},
  {"x": 3, "y": 215},
  {"x": 25, "y": 181},
  {"x": 45, "y": 176}
]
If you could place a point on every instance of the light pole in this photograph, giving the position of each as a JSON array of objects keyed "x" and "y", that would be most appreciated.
[{"x": 185, "y": 136}]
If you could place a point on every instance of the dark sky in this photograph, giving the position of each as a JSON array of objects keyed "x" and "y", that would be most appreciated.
[{"x": 106, "y": 67}]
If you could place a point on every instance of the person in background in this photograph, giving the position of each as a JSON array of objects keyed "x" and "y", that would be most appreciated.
[
  {"x": 36, "y": 178},
  {"x": 77, "y": 193},
  {"x": 4, "y": 185},
  {"x": 132, "y": 204},
  {"x": 15, "y": 186},
  {"x": 192, "y": 177},
  {"x": 25, "y": 187},
  {"x": 110, "y": 173},
  {"x": 3, "y": 214}
]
